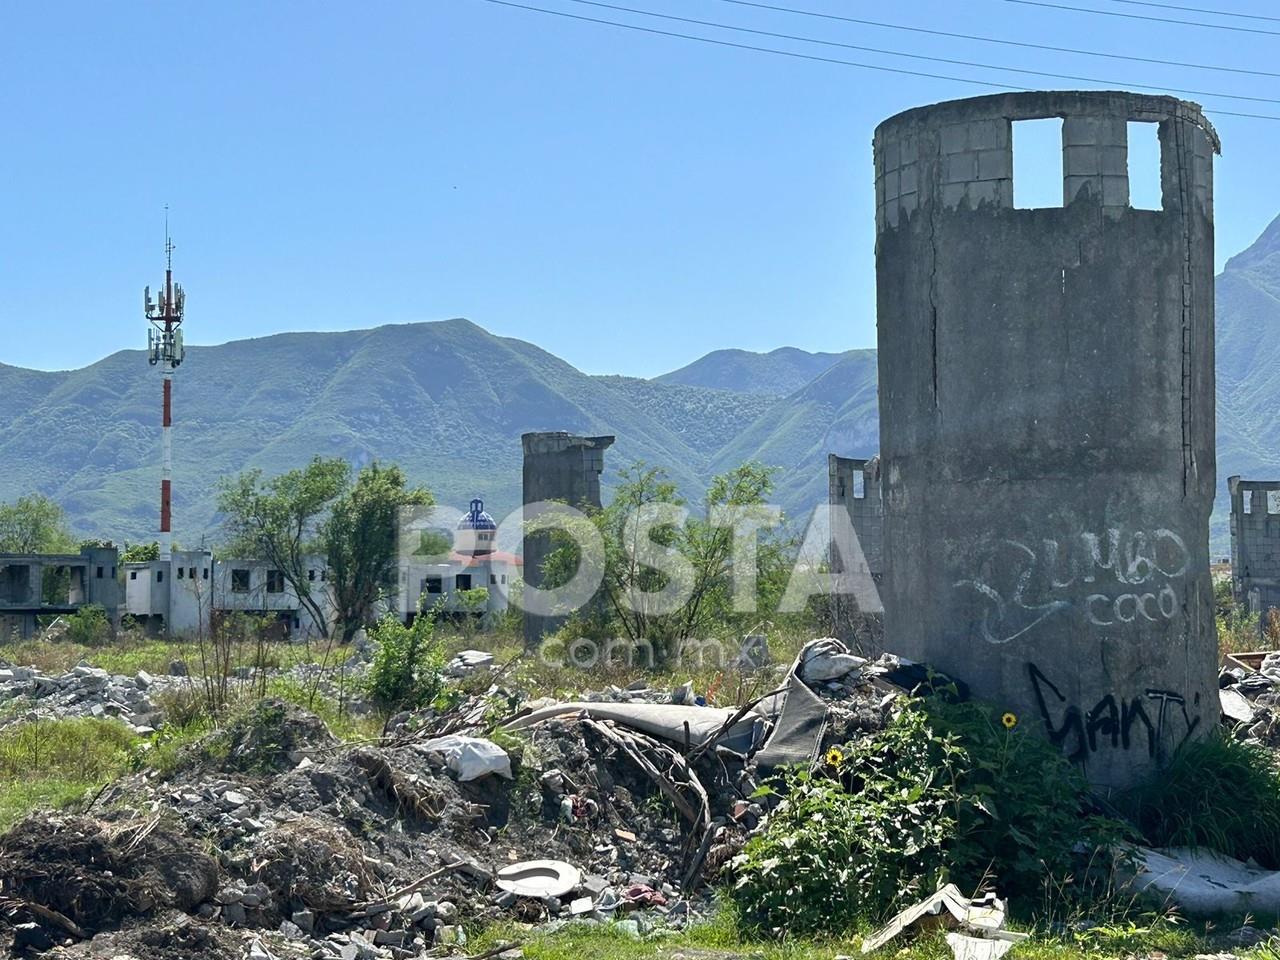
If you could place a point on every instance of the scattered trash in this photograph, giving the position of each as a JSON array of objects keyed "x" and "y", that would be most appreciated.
[
  {"x": 539, "y": 879},
  {"x": 471, "y": 758},
  {"x": 1206, "y": 884},
  {"x": 984, "y": 917}
]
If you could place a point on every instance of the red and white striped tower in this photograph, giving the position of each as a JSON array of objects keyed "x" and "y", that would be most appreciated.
[{"x": 164, "y": 343}]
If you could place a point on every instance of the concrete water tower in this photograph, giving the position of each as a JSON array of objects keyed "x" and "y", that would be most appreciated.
[{"x": 1047, "y": 419}]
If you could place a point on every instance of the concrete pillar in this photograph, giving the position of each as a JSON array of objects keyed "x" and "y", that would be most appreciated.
[
  {"x": 1047, "y": 421},
  {"x": 853, "y": 486},
  {"x": 560, "y": 467}
]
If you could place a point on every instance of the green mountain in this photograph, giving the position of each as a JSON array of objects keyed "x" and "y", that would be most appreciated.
[
  {"x": 448, "y": 401},
  {"x": 1248, "y": 359},
  {"x": 775, "y": 374}
]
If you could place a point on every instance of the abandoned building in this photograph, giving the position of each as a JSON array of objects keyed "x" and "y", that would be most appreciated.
[
  {"x": 563, "y": 468},
  {"x": 184, "y": 595},
  {"x": 475, "y": 561},
  {"x": 1047, "y": 417},
  {"x": 35, "y": 585},
  {"x": 854, "y": 487},
  {"x": 1255, "y": 545}
]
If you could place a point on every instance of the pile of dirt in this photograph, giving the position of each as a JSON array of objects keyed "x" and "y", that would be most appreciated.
[
  {"x": 95, "y": 874},
  {"x": 167, "y": 936},
  {"x": 271, "y": 737}
]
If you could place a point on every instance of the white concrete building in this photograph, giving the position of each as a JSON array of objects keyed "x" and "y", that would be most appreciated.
[
  {"x": 186, "y": 594},
  {"x": 473, "y": 563}
]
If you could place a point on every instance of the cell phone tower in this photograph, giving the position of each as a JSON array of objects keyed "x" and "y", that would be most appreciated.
[{"x": 164, "y": 349}]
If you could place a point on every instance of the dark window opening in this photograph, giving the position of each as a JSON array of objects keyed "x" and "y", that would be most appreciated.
[
  {"x": 159, "y": 576},
  {"x": 101, "y": 571},
  {"x": 133, "y": 574},
  {"x": 311, "y": 575},
  {"x": 239, "y": 581},
  {"x": 181, "y": 573},
  {"x": 275, "y": 581},
  {"x": 434, "y": 585}
]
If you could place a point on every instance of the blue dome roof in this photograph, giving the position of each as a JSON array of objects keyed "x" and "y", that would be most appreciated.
[{"x": 477, "y": 519}]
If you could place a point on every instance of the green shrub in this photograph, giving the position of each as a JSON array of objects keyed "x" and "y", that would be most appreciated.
[
  {"x": 407, "y": 664},
  {"x": 944, "y": 793},
  {"x": 837, "y": 852},
  {"x": 1219, "y": 793},
  {"x": 1025, "y": 812},
  {"x": 89, "y": 626}
]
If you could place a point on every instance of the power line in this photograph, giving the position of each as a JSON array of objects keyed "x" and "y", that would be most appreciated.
[
  {"x": 1216, "y": 13},
  {"x": 997, "y": 40},
  {"x": 919, "y": 56},
  {"x": 1139, "y": 16},
  {"x": 805, "y": 56}
]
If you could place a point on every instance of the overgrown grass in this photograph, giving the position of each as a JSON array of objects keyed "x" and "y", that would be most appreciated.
[
  {"x": 55, "y": 762},
  {"x": 720, "y": 939},
  {"x": 132, "y": 653},
  {"x": 1219, "y": 793},
  {"x": 551, "y": 671},
  {"x": 342, "y": 723}
]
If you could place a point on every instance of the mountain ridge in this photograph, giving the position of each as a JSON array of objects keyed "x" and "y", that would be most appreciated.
[{"x": 448, "y": 401}]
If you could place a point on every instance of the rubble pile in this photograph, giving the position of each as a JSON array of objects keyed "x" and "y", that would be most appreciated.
[
  {"x": 1250, "y": 694},
  {"x": 84, "y": 691},
  {"x": 620, "y": 809}
]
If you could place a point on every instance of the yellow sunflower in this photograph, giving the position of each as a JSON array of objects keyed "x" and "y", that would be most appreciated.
[
  {"x": 1010, "y": 720},
  {"x": 835, "y": 757}
]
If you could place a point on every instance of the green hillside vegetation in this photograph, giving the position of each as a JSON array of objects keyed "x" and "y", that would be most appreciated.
[{"x": 776, "y": 373}]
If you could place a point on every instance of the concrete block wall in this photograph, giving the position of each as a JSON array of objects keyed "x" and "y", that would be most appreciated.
[
  {"x": 1255, "y": 544},
  {"x": 974, "y": 156}
]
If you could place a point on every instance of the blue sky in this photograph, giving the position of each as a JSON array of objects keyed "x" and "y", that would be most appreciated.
[{"x": 627, "y": 201}]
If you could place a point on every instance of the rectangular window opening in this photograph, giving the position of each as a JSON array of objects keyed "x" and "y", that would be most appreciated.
[
  {"x": 239, "y": 581},
  {"x": 1037, "y": 163},
  {"x": 859, "y": 484},
  {"x": 275, "y": 581},
  {"x": 1145, "y": 192}
]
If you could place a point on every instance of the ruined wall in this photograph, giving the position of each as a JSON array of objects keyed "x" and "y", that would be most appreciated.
[
  {"x": 1047, "y": 421},
  {"x": 854, "y": 487},
  {"x": 557, "y": 467},
  {"x": 1255, "y": 545}
]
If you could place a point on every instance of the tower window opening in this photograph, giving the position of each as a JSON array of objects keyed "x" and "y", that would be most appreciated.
[
  {"x": 1145, "y": 191},
  {"x": 1037, "y": 163}
]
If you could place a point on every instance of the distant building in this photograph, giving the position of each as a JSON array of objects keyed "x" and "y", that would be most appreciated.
[
  {"x": 1255, "y": 545},
  {"x": 33, "y": 585},
  {"x": 473, "y": 562},
  {"x": 187, "y": 593}
]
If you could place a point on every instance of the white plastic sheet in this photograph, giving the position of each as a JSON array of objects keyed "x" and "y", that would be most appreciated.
[{"x": 471, "y": 757}]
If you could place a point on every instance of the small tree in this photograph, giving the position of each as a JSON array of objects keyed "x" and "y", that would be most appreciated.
[
  {"x": 34, "y": 524},
  {"x": 140, "y": 552},
  {"x": 637, "y": 593},
  {"x": 360, "y": 541},
  {"x": 279, "y": 520},
  {"x": 407, "y": 662}
]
